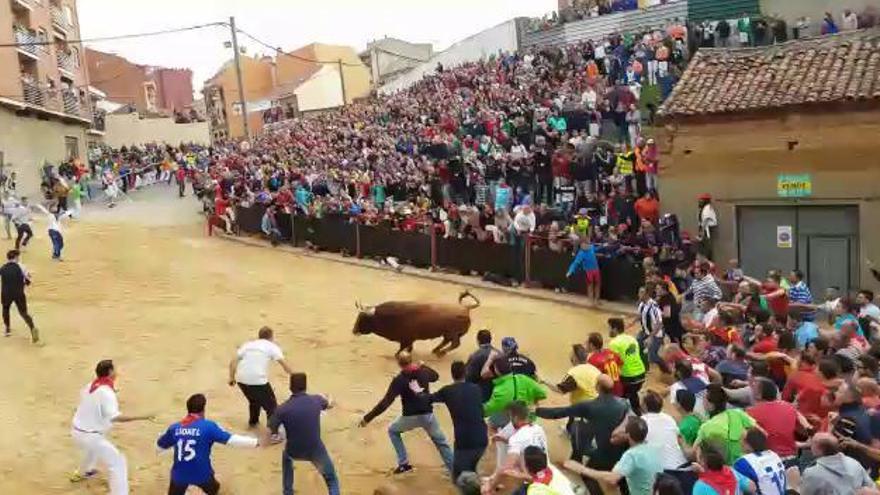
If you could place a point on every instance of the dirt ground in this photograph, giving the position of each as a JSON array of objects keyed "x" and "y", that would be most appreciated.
[{"x": 141, "y": 284}]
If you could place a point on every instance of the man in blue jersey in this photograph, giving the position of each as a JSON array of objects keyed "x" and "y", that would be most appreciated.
[
  {"x": 761, "y": 465},
  {"x": 192, "y": 439}
]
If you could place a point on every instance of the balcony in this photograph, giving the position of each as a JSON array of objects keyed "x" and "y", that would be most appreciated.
[
  {"x": 65, "y": 63},
  {"x": 26, "y": 41},
  {"x": 33, "y": 93},
  {"x": 66, "y": 102},
  {"x": 24, "y": 5},
  {"x": 60, "y": 21},
  {"x": 99, "y": 121},
  {"x": 71, "y": 103}
]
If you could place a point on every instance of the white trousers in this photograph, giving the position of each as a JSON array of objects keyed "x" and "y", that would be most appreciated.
[{"x": 96, "y": 448}]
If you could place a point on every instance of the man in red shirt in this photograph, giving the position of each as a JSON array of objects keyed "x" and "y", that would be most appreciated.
[
  {"x": 181, "y": 180},
  {"x": 765, "y": 342},
  {"x": 223, "y": 214},
  {"x": 605, "y": 360},
  {"x": 779, "y": 419},
  {"x": 777, "y": 297},
  {"x": 808, "y": 385}
]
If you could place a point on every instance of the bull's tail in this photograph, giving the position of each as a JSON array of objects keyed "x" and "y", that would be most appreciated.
[{"x": 467, "y": 294}]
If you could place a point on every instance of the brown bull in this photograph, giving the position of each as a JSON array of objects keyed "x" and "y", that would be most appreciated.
[{"x": 407, "y": 322}]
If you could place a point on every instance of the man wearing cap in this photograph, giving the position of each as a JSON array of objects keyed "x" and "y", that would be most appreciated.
[{"x": 518, "y": 363}]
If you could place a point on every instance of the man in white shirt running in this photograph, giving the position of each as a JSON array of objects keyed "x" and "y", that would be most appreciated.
[
  {"x": 53, "y": 224},
  {"x": 98, "y": 410},
  {"x": 250, "y": 370}
]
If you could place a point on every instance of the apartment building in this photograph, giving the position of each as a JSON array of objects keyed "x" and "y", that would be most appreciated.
[
  {"x": 149, "y": 89},
  {"x": 289, "y": 80},
  {"x": 45, "y": 98},
  {"x": 222, "y": 103}
]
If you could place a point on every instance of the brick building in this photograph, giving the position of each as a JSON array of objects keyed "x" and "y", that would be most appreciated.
[
  {"x": 784, "y": 139},
  {"x": 45, "y": 98},
  {"x": 148, "y": 89}
]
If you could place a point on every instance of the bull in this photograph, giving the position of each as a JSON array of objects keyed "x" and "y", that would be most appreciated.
[{"x": 405, "y": 322}]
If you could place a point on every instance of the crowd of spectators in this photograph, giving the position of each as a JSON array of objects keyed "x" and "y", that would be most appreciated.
[
  {"x": 578, "y": 10},
  {"x": 546, "y": 142},
  {"x": 757, "y": 388}
]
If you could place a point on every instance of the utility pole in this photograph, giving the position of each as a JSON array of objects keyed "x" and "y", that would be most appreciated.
[
  {"x": 342, "y": 81},
  {"x": 241, "y": 99}
]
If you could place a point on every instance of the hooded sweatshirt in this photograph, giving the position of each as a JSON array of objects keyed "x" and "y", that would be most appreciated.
[
  {"x": 834, "y": 475},
  {"x": 414, "y": 404}
]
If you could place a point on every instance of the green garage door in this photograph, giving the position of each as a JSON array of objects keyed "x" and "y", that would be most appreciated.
[{"x": 713, "y": 10}]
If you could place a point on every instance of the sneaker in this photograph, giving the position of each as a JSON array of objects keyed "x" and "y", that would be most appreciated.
[
  {"x": 77, "y": 477},
  {"x": 35, "y": 335},
  {"x": 403, "y": 468},
  {"x": 7, "y": 333},
  {"x": 275, "y": 439}
]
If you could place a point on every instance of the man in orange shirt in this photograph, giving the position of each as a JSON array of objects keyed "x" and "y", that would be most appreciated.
[{"x": 648, "y": 208}]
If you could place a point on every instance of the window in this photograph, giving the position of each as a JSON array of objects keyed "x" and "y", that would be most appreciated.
[
  {"x": 150, "y": 96},
  {"x": 68, "y": 15},
  {"x": 74, "y": 54},
  {"x": 42, "y": 35},
  {"x": 71, "y": 147}
]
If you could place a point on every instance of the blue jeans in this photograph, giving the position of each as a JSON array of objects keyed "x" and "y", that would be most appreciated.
[
  {"x": 426, "y": 422},
  {"x": 57, "y": 243},
  {"x": 652, "y": 351},
  {"x": 322, "y": 462}
]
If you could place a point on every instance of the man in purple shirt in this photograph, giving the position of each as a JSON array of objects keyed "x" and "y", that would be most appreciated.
[{"x": 301, "y": 418}]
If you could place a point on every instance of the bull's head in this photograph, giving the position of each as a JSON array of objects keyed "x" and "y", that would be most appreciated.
[{"x": 364, "y": 324}]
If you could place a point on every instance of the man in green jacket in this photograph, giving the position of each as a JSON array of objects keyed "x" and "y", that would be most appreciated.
[{"x": 507, "y": 388}]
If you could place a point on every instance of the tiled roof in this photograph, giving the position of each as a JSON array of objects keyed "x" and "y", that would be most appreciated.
[{"x": 830, "y": 69}]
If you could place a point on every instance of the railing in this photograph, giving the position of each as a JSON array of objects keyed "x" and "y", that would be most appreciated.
[
  {"x": 523, "y": 261},
  {"x": 98, "y": 121},
  {"x": 26, "y": 41},
  {"x": 33, "y": 94},
  {"x": 71, "y": 103},
  {"x": 59, "y": 19},
  {"x": 65, "y": 61}
]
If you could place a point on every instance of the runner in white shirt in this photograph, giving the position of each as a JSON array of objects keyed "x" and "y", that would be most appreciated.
[
  {"x": 250, "y": 370},
  {"x": 97, "y": 411},
  {"x": 662, "y": 431},
  {"x": 519, "y": 434},
  {"x": 53, "y": 224}
]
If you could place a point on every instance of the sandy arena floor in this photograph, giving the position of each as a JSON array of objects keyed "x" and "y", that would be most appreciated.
[{"x": 141, "y": 284}]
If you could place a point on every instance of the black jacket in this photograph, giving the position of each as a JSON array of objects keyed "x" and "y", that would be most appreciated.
[{"x": 413, "y": 404}]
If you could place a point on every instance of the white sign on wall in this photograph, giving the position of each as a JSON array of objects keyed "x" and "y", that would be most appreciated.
[{"x": 784, "y": 236}]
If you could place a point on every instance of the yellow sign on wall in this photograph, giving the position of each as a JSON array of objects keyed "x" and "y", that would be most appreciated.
[{"x": 794, "y": 186}]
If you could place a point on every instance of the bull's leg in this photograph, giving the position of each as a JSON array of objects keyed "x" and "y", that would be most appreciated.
[
  {"x": 439, "y": 349},
  {"x": 404, "y": 346},
  {"x": 455, "y": 342}
]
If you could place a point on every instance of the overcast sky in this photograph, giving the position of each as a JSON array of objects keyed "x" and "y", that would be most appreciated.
[{"x": 285, "y": 23}]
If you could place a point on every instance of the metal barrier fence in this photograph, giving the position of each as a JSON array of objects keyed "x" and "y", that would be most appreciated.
[{"x": 621, "y": 276}]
